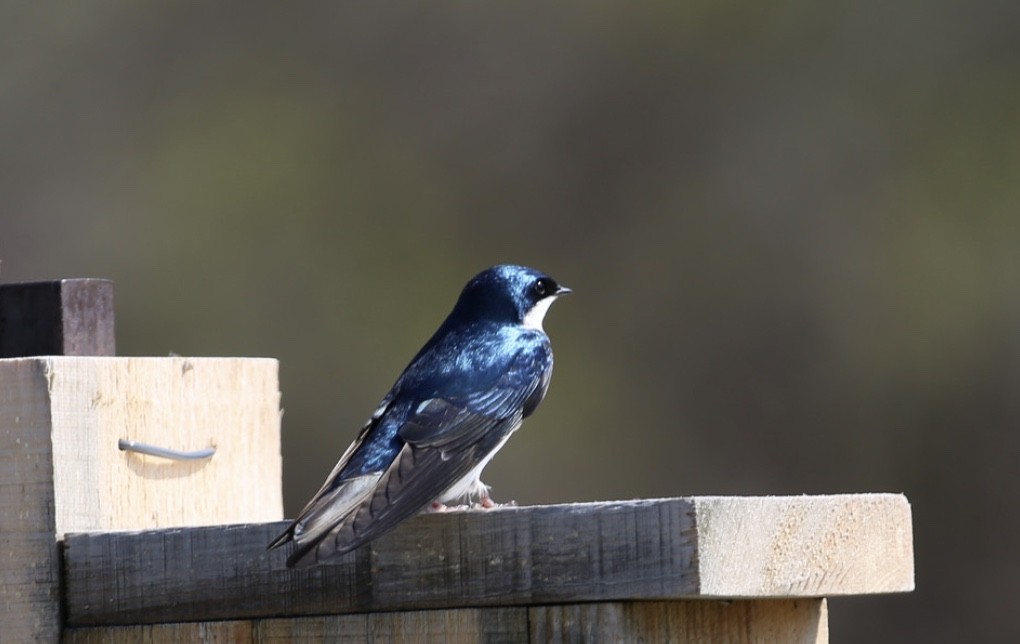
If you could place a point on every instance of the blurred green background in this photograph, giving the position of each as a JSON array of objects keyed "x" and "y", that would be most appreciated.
[{"x": 792, "y": 230}]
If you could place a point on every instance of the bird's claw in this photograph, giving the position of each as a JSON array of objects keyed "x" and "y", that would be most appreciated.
[
  {"x": 437, "y": 506},
  {"x": 486, "y": 503}
]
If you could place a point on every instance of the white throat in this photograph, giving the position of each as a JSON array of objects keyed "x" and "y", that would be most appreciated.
[{"x": 533, "y": 318}]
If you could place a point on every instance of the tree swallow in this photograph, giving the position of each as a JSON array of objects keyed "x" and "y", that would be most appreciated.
[{"x": 466, "y": 391}]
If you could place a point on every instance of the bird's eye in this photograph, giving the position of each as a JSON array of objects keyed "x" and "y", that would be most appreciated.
[{"x": 544, "y": 286}]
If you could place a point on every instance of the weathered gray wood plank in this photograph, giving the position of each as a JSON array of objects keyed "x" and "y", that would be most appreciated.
[
  {"x": 791, "y": 621},
  {"x": 72, "y": 317},
  {"x": 504, "y": 557},
  {"x": 489, "y": 625},
  {"x": 648, "y": 550},
  {"x": 29, "y": 556},
  {"x": 797, "y": 621},
  {"x": 229, "y": 631}
]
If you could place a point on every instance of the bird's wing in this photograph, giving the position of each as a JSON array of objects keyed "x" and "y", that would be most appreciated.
[
  {"x": 337, "y": 497},
  {"x": 447, "y": 420},
  {"x": 445, "y": 438}
]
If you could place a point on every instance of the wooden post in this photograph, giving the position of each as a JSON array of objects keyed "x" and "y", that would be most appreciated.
[
  {"x": 65, "y": 317},
  {"x": 62, "y": 417},
  {"x": 29, "y": 559},
  {"x": 71, "y": 317}
]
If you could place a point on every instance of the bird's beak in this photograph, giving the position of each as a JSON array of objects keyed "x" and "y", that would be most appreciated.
[{"x": 563, "y": 290}]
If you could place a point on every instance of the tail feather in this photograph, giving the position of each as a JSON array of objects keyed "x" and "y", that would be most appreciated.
[{"x": 323, "y": 514}]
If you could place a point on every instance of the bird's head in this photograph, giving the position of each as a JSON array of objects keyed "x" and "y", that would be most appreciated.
[{"x": 508, "y": 293}]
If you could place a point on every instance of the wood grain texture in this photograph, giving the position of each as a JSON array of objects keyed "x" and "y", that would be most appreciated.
[
  {"x": 180, "y": 403},
  {"x": 504, "y": 557},
  {"x": 794, "y": 621},
  {"x": 490, "y": 625},
  {"x": 647, "y": 550},
  {"x": 29, "y": 557},
  {"x": 229, "y": 631},
  {"x": 72, "y": 317},
  {"x": 804, "y": 546},
  {"x": 791, "y": 621}
]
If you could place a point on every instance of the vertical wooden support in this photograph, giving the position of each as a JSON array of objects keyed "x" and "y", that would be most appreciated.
[
  {"x": 29, "y": 559},
  {"x": 61, "y": 469},
  {"x": 66, "y": 317},
  {"x": 62, "y": 417},
  {"x": 72, "y": 317}
]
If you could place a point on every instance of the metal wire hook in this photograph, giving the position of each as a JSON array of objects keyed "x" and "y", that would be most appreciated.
[{"x": 164, "y": 452}]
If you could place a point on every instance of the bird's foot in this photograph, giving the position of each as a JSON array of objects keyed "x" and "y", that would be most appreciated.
[
  {"x": 438, "y": 506},
  {"x": 486, "y": 503}
]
